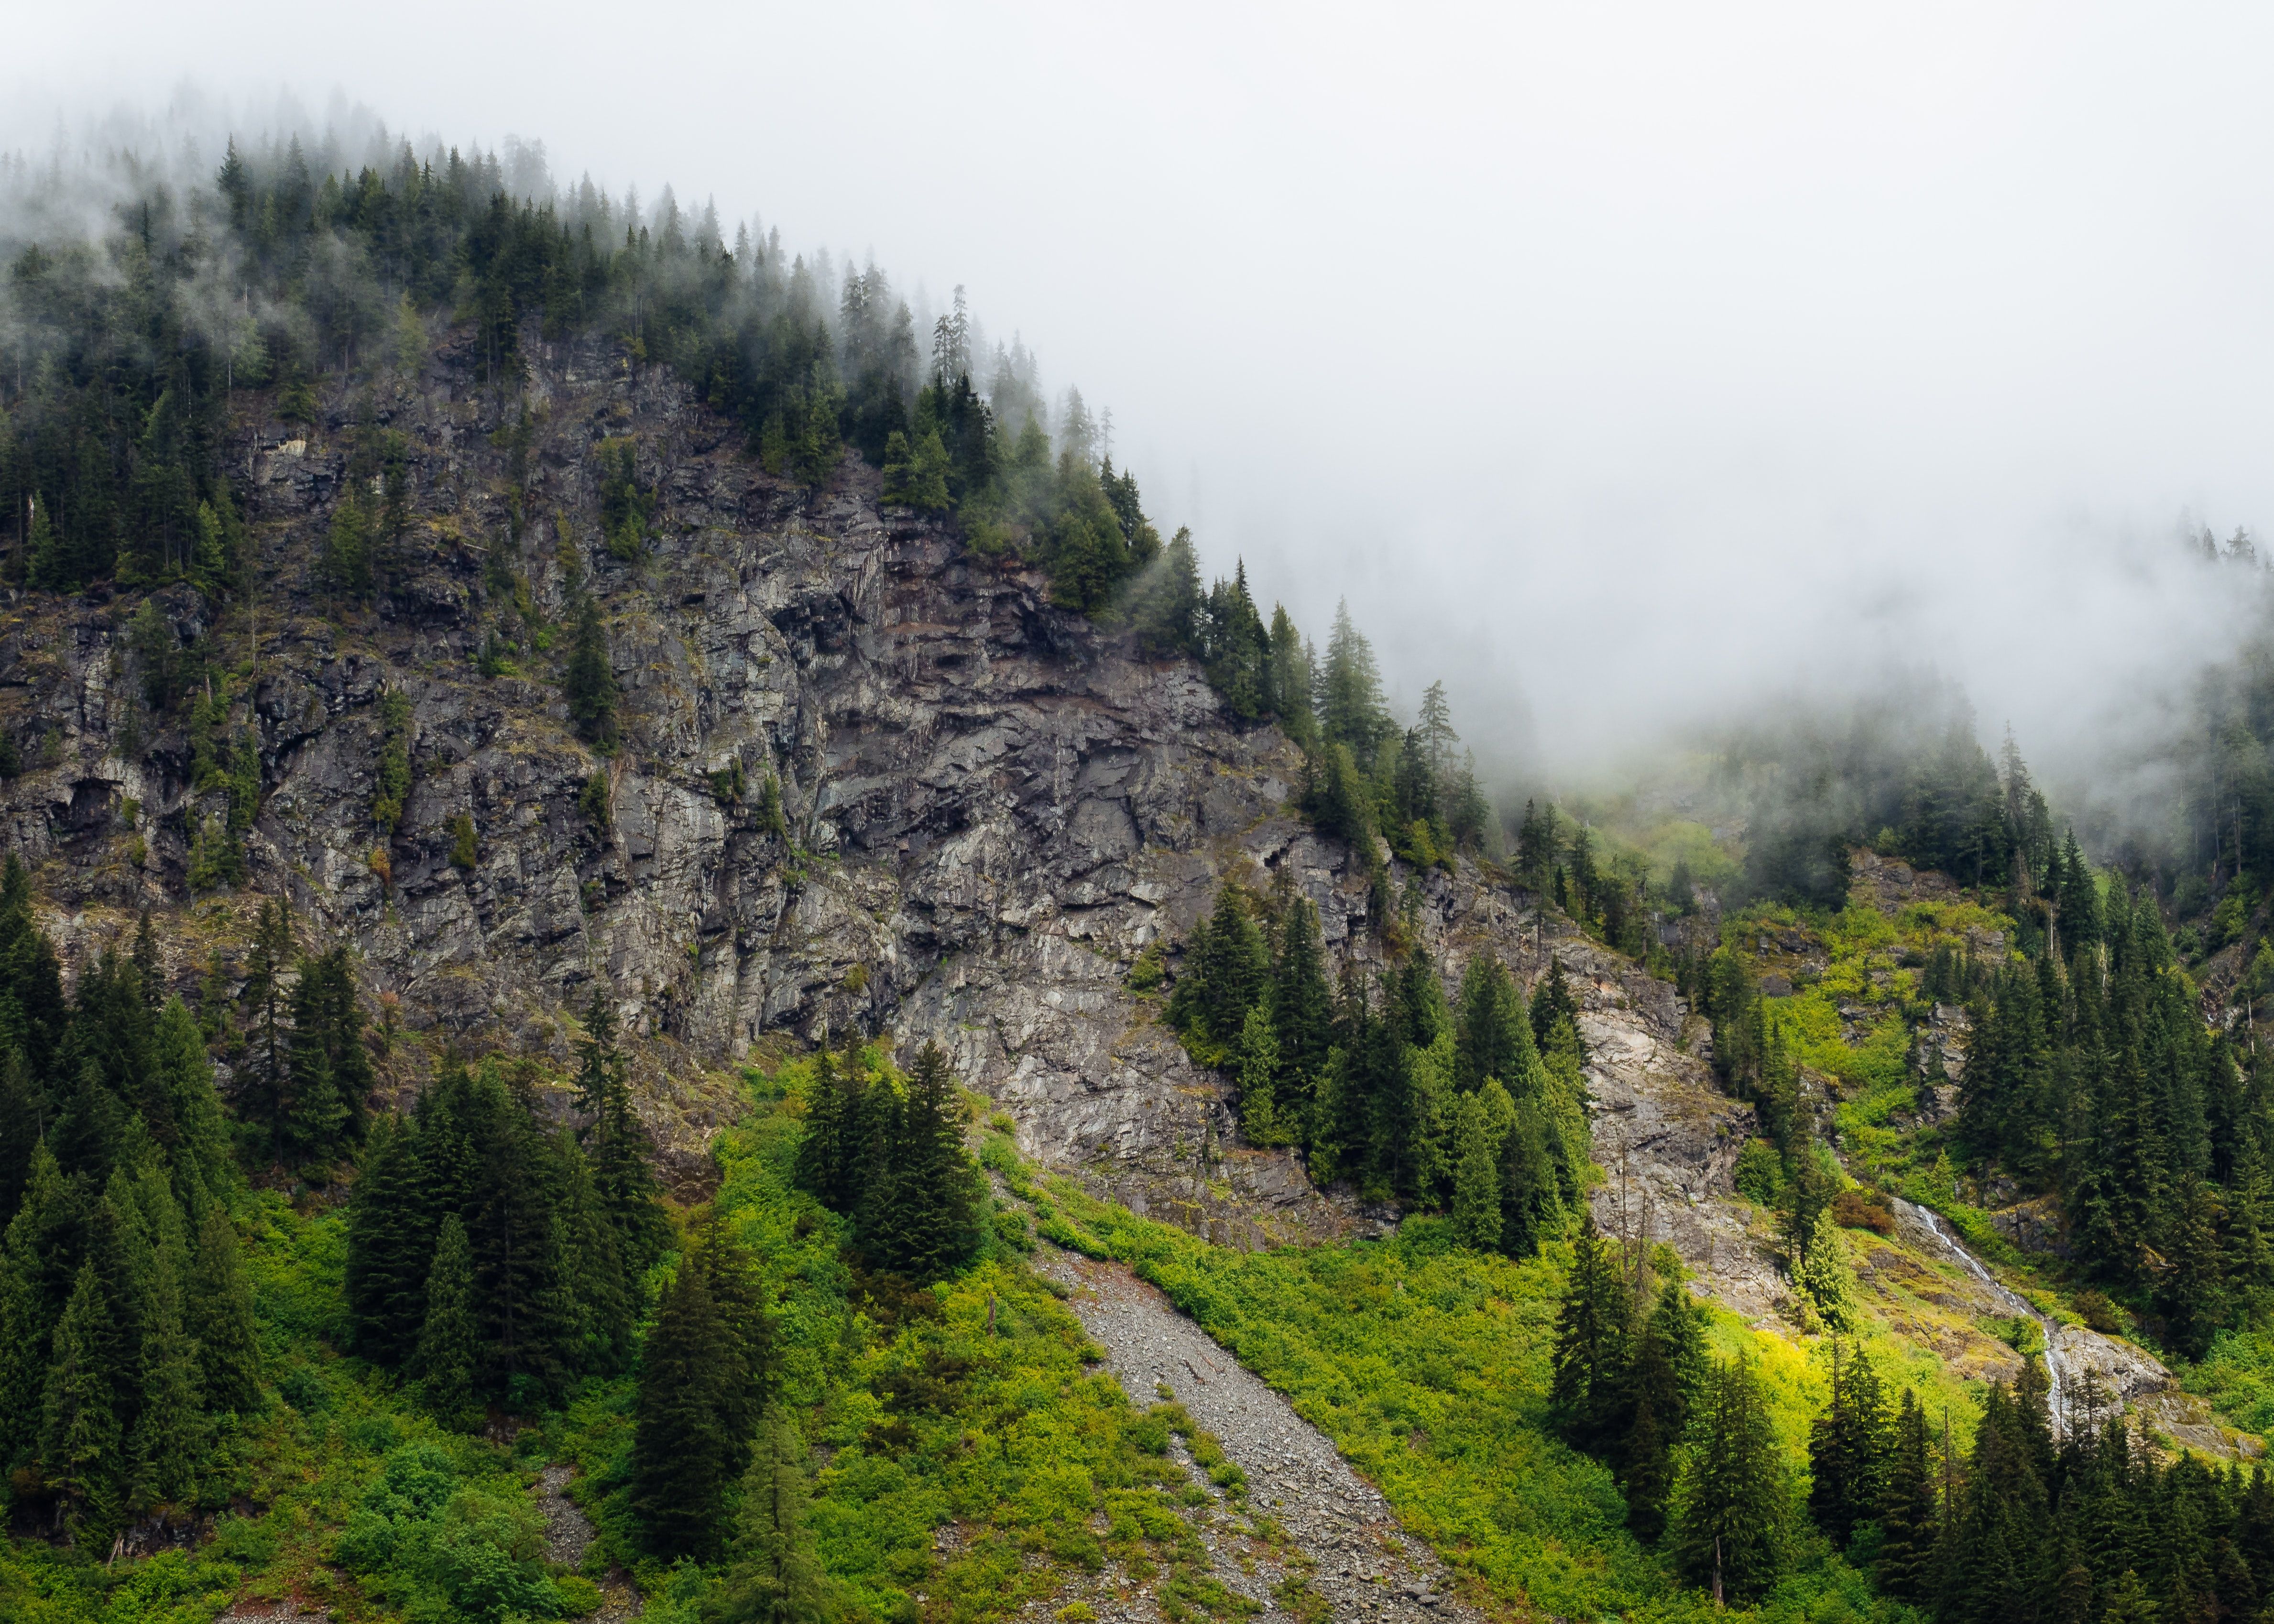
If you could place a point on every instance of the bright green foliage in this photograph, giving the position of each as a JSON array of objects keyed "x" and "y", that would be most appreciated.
[
  {"x": 216, "y": 860},
  {"x": 1259, "y": 1081},
  {"x": 1431, "y": 1368},
  {"x": 770, "y": 818},
  {"x": 394, "y": 761},
  {"x": 1476, "y": 1175},
  {"x": 426, "y": 1537},
  {"x": 1821, "y": 1271},
  {"x": 595, "y": 801}
]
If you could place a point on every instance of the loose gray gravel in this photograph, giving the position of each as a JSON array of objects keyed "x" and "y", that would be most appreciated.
[
  {"x": 1335, "y": 1530},
  {"x": 568, "y": 1532}
]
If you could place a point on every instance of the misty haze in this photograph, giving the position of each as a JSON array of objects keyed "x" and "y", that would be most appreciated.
[{"x": 998, "y": 814}]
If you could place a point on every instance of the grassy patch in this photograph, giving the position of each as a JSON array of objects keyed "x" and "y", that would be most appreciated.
[{"x": 1429, "y": 1366}]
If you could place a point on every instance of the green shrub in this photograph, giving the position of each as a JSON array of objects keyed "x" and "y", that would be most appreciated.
[
  {"x": 1760, "y": 1173},
  {"x": 462, "y": 851}
]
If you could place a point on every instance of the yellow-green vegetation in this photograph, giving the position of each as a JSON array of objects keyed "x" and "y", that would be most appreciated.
[
  {"x": 1430, "y": 1367},
  {"x": 1849, "y": 1022},
  {"x": 979, "y": 1403},
  {"x": 337, "y": 1473}
]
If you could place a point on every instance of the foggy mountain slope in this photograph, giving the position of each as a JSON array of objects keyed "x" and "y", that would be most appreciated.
[{"x": 585, "y": 648}]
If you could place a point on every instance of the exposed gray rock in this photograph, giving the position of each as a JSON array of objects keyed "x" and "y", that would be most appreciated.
[
  {"x": 1338, "y": 1534},
  {"x": 992, "y": 805}
]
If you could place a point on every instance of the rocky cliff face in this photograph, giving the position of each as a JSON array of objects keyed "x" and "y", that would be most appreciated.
[{"x": 992, "y": 806}]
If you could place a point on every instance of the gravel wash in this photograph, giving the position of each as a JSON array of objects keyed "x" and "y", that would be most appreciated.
[{"x": 1335, "y": 1535}]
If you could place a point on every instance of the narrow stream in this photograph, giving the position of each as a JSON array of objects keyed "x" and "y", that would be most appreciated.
[{"x": 2011, "y": 1300}]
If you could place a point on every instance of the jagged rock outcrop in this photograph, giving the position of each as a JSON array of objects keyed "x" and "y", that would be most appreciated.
[{"x": 992, "y": 807}]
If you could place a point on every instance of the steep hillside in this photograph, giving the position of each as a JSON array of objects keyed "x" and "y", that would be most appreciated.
[
  {"x": 556, "y": 693},
  {"x": 988, "y": 805}
]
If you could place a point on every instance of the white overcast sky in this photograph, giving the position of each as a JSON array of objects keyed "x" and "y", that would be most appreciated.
[{"x": 1615, "y": 360}]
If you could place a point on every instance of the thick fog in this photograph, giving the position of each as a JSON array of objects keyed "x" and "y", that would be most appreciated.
[{"x": 1622, "y": 365}]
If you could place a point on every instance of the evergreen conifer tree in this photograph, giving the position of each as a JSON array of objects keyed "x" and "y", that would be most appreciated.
[
  {"x": 1663, "y": 1380},
  {"x": 773, "y": 1576},
  {"x": 1907, "y": 1518},
  {"x": 1259, "y": 1072},
  {"x": 679, "y": 1459},
  {"x": 448, "y": 1354},
  {"x": 1491, "y": 1040},
  {"x": 1293, "y": 679},
  {"x": 2192, "y": 1292},
  {"x": 1420, "y": 1005},
  {"x": 23, "y": 1124},
  {"x": 591, "y": 680},
  {"x": 618, "y": 1144},
  {"x": 927, "y": 1223},
  {"x": 1166, "y": 608},
  {"x": 149, "y": 972},
  {"x": 169, "y": 1441},
  {"x": 1350, "y": 705},
  {"x": 821, "y": 1168},
  {"x": 1847, "y": 1448},
  {"x": 266, "y": 1072},
  {"x": 1530, "y": 1191},
  {"x": 119, "y": 1247},
  {"x": 1728, "y": 1522},
  {"x": 1476, "y": 1174},
  {"x": 1301, "y": 1005},
  {"x": 391, "y": 1245},
  {"x": 1226, "y": 970},
  {"x": 315, "y": 1114},
  {"x": 523, "y": 1296},
  {"x": 218, "y": 1306},
  {"x": 201, "y": 1162},
  {"x": 1592, "y": 1327},
  {"x": 1552, "y": 1002},
  {"x": 81, "y": 1448}
]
